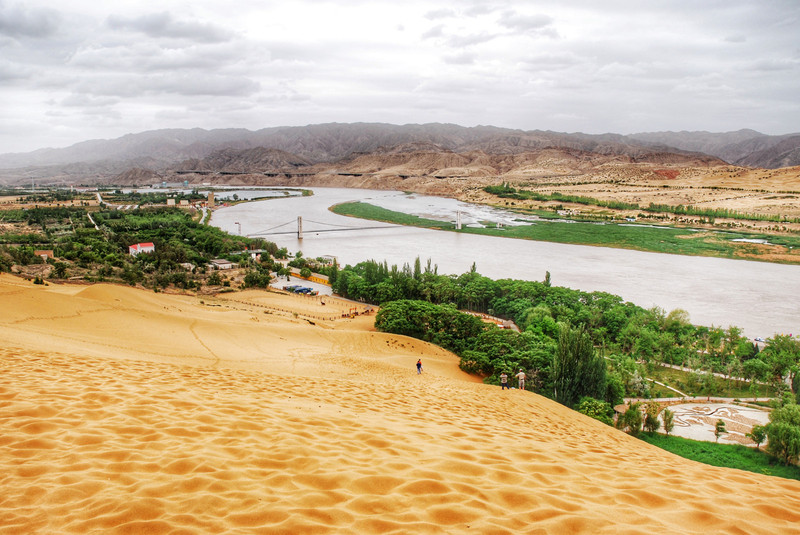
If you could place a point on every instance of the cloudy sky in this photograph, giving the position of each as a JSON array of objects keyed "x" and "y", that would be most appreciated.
[{"x": 83, "y": 69}]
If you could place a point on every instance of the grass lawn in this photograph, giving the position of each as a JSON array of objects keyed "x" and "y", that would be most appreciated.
[
  {"x": 683, "y": 381},
  {"x": 624, "y": 236},
  {"x": 726, "y": 455}
]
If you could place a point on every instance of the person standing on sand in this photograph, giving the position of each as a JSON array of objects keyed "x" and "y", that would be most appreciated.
[
  {"x": 419, "y": 366},
  {"x": 521, "y": 379},
  {"x": 504, "y": 381}
]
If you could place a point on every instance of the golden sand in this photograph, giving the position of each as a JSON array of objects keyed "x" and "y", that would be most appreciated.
[{"x": 125, "y": 411}]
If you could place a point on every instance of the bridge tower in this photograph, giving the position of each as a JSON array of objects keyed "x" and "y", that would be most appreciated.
[
  {"x": 299, "y": 227},
  {"x": 458, "y": 220}
]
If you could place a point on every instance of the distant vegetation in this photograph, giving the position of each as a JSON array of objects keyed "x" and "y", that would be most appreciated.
[
  {"x": 663, "y": 239},
  {"x": 508, "y": 192}
]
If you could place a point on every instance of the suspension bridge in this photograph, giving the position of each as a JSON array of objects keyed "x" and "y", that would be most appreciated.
[{"x": 327, "y": 227}]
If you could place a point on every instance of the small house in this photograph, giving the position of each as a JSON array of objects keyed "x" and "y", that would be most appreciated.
[
  {"x": 137, "y": 248},
  {"x": 221, "y": 263}
]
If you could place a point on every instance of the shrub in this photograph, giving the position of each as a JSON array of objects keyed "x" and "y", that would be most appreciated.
[
  {"x": 669, "y": 421},
  {"x": 631, "y": 420},
  {"x": 594, "y": 408},
  {"x": 758, "y": 434},
  {"x": 651, "y": 421}
]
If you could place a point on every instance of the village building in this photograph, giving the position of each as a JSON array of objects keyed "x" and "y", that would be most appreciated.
[
  {"x": 221, "y": 263},
  {"x": 44, "y": 254},
  {"x": 315, "y": 277},
  {"x": 137, "y": 248}
]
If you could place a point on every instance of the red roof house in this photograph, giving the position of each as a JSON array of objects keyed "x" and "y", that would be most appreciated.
[{"x": 137, "y": 248}]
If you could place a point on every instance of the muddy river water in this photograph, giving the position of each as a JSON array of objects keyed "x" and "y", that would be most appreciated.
[{"x": 761, "y": 298}]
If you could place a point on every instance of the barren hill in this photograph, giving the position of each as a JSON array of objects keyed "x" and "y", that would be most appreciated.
[
  {"x": 743, "y": 147},
  {"x": 160, "y": 150},
  {"x": 253, "y": 160},
  {"x": 506, "y": 157}
]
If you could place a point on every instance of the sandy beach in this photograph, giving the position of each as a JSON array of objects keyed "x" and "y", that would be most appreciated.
[{"x": 127, "y": 411}]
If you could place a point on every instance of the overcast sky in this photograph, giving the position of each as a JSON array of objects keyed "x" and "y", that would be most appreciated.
[{"x": 84, "y": 69}]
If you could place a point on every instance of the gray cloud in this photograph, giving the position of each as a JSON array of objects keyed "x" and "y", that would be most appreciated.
[
  {"x": 207, "y": 85},
  {"x": 440, "y": 14},
  {"x": 164, "y": 25},
  {"x": 14, "y": 71},
  {"x": 81, "y": 69},
  {"x": 525, "y": 23},
  {"x": 460, "y": 41},
  {"x": 463, "y": 58},
  {"x": 736, "y": 38},
  {"x": 436, "y": 31},
  {"x": 20, "y": 21},
  {"x": 83, "y": 100}
]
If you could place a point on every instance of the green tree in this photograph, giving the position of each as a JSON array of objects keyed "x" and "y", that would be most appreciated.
[
  {"x": 615, "y": 389},
  {"x": 758, "y": 434},
  {"x": 59, "y": 270},
  {"x": 595, "y": 408},
  {"x": 783, "y": 433},
  {"x": 577, "y": 369},
  {"x": 631, "y": 419},
  {"x": 651, "y": 421},
  {"x": 782, "y": 354},
  {"x": 719, "y": 429},
  {"x": 669, "y": 420},
  {"x": 255, "y": 278}
]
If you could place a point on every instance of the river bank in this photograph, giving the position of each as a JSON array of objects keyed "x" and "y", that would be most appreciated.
[
  {"x": 621, "y": 235},
  {"x": 714, "y": 291}
]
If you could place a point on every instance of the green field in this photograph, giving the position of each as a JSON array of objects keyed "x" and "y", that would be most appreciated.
[
  {"x": 624, "y": 236},
  {"x": 693, "y": 385},
  {"x": 725, "y": 455}
]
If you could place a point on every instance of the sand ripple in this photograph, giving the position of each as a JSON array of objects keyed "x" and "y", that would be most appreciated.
[
  {"x": 315, "y": 430},
  {"x": 97, "y": 445}
]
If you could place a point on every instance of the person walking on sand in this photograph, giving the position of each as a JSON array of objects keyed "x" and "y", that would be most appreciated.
[
  {"x": 504, "y": 381},
  {"x": 521, "y": 379},
  {"x": 419, "y": 366}
]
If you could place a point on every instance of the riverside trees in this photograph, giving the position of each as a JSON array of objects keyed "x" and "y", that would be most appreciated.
[
  {"x": 577, "y": 371},
  {"x": 783, "y": 432},
  {"x": 628, "y": 336}
]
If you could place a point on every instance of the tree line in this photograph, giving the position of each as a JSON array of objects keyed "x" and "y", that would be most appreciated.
[{"x": 563, "y": 333}]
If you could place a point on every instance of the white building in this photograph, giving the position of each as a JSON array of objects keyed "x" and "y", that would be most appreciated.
[{"x": 221, "y": 263}]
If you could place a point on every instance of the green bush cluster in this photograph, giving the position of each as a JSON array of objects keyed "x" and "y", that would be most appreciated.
[{"x": 631, "y": 338}]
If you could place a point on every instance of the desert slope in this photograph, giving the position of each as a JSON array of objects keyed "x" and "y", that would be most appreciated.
[{"x": 123, "y": 411}]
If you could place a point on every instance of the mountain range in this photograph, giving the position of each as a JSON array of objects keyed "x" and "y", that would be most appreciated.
[{"x": 338, "y": 145}]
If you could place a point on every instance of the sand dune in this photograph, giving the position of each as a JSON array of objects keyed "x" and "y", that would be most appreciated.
[{"x": 125, "y": 411}]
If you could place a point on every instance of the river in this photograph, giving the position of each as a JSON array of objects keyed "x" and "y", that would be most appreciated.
[{"x": 759, "y": 297}]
